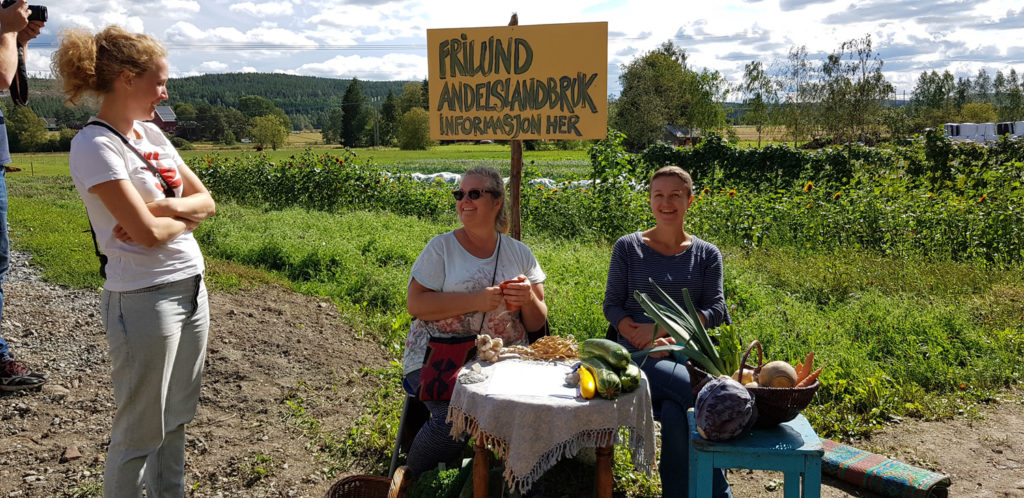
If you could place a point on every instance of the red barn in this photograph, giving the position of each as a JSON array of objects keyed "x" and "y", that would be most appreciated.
[{"x": 166, "y": 119}]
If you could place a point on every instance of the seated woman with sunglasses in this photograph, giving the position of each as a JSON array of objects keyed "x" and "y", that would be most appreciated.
[{"x": 470, "y": 281}]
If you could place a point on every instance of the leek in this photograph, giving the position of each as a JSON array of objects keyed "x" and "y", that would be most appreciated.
[{"x": 685, "y": 327}]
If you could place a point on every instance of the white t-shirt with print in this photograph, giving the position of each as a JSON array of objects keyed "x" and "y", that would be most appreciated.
[
  {"x": 98, "y": 156},
  {"x": 445, "y": 266}
]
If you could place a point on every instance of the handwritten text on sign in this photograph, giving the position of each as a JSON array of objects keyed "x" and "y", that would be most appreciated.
[{"x": 519, "y": 82}]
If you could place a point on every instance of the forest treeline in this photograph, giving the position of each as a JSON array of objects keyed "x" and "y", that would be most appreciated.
[{"x": 306, "y": 100}]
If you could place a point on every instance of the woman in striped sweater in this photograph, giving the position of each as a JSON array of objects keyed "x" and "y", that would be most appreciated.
[{"x": 675, "y": 260}]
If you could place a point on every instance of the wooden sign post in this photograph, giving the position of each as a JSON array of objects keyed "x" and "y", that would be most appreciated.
[
  {"x": 515, "y": 175},
  {"x": 515, "y": 83}
]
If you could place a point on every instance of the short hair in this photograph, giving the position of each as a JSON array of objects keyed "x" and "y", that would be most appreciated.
[
  {"x": 673, "y": 171},
  {"x": 496, "y": 186},
  {"x": 89, "y": 63}
]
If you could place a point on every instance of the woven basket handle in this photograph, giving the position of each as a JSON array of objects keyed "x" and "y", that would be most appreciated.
[{"x": 760, "y": 358}]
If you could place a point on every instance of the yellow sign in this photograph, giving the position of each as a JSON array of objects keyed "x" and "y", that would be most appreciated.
[{"x": 547, "y": 81}]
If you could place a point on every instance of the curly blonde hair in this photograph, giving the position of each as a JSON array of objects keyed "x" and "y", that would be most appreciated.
[{"x": 89, "y": 64}]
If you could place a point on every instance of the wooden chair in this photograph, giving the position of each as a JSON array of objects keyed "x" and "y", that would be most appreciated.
[{"x": 414, "y": 415}]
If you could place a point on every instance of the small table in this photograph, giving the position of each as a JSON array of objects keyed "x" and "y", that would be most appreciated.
[
  {"x": 792, "y": 447},
  {"x": 524, "y": 414}
]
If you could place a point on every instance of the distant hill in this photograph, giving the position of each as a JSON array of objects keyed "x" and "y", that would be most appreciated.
[
  {"x": 294, "y": 94},
  {"x": 310, "y": 96}
]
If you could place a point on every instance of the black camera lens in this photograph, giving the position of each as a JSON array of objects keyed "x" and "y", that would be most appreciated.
[{"x": 37, "y": 13}]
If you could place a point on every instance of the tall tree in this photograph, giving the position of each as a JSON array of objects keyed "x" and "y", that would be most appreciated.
[
  {"x": 26, "y": 131},
  {"x": 253, "y": 106},
  {"x": 853, "y": 90},
  {"x": 425, "y": 86},
  {"x": 934, "y": 100},
  {"x": 414, "y": 130},
  {"x": 269, "y": 130},
  {"x": 356, "y": 116},
  {"x": 389, "y": 118},
  {"x": 760, "y": 96},
  {"x": 1014, "y": 110},
  {"x": 651, "y": 98},
  {"x": 331, "y": 130},
  {"x": 795, "y": 81},
  {"x": 412, "y": 96},
  {"x": 982, "y": 88}
]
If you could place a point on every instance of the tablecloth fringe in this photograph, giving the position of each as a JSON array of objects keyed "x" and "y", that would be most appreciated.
[{"x": 591, "y": 438}]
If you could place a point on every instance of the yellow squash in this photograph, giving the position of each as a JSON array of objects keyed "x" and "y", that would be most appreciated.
[{"x": 587, "y": 386}]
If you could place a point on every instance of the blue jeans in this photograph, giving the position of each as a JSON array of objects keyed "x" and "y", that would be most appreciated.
[
  {"x": 5, "y": 256},
  {"x": 157, "y": 338},
  {"x": 670, "y": 387}
]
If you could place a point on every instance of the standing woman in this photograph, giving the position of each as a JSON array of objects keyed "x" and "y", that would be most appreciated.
[
  {"x": 675, "y": 260},
  {"x": 143, "y": 204}
]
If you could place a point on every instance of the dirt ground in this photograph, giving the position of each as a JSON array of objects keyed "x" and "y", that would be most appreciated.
[{"x": 269, "y": 343}]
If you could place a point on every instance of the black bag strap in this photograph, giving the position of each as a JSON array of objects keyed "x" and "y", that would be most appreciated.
[
  {"x": 168, "y": 191},
  {"x": 494, "y": 275},
  {"x": 102, "y": 257},
  {"x": 19, "y": 84}
]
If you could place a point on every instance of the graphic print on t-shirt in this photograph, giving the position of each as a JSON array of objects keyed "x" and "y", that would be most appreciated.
[{"x": 169, "y": 173}]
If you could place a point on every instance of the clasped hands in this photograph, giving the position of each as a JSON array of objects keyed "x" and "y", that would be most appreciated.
[{"x": 516, "y": 293}]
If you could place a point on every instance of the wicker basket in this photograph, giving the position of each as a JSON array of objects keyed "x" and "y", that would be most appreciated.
[
  {"x": 775, "y": 405},
  {"x": 360, "y": 486}
]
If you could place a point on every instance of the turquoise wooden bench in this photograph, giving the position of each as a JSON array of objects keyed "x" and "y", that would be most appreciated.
[{"x": 792, "y": 447}]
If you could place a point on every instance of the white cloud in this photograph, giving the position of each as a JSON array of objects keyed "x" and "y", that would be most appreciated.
[
  {"x": 266, "y": 9},
  {"x": 388, "y": 67},
  {"x": 213, "y": 67},
  {"x": 258, "y": 38},
  {"x": 379, "y": 39}
]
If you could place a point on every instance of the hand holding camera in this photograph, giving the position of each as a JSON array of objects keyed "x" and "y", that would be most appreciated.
[{"x": 35, "y": 13}]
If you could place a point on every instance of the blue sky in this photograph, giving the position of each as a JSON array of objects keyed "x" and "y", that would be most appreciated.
[{"x": 386, "y": 40}]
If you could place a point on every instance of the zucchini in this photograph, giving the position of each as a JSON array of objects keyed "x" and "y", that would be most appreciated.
[
  {"x": 611, "y": 352},
  {"x": 630, "y": 378},
  {"x": 606, "y": 382}
]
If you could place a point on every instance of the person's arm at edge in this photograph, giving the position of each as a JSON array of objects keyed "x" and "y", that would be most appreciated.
[{"x": 9, "y": 41}]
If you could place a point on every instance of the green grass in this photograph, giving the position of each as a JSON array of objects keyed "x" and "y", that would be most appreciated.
[{"x": 898, "y": 336}]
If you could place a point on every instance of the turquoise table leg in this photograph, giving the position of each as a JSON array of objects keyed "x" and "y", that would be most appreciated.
[
  {"x": 694, "y": 476},
  {"x": 701, "y": 478},
  {"x": 812, "y": 477},
  {"x": 792, "y": 484}
]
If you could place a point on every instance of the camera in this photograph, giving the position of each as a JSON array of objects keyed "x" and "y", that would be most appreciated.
[{"x": 35, "y": 12}]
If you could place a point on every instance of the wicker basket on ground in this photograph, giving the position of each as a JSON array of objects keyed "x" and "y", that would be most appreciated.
[
  {"x": 360, "y": 486},
  {"x": 775, "y": 405}
]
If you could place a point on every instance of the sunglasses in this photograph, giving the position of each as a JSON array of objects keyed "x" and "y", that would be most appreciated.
[{"x": 473, "y": 194}]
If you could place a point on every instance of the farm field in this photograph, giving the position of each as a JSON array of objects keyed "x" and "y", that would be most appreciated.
[{"x": 956, "y": 324}]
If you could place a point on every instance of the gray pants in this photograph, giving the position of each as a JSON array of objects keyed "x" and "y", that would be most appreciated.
[{"x": 157, "y": 338}]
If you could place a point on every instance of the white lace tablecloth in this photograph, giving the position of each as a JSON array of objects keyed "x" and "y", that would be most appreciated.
[{"x": 531, "y": 421}]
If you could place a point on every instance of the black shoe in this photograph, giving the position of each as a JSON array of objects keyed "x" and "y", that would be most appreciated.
[{"x": 14, "y": 376}]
